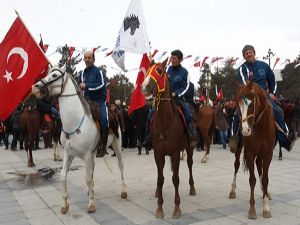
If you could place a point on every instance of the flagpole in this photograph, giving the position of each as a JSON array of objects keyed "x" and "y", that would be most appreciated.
[{"x": 33, "y": 37}]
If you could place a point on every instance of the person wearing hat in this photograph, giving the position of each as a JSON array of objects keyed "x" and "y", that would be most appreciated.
[{"x": 262, "y": 75}]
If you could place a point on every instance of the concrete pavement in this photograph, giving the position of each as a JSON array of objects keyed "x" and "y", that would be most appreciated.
[{"x": 35, "y": 200}]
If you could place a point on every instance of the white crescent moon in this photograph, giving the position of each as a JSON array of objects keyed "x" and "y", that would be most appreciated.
[{"x": 24, "y": 55}]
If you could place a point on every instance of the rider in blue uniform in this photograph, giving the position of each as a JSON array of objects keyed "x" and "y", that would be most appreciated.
[
  {"x": 94, "y": 85},
  {"x": 262, "y": 74},
  {"x": 179, "y": 84}
]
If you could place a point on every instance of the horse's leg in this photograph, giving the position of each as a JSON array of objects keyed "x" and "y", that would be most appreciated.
[
  {"x": 63, "y": 179},
  {"x": 265, "y": 182},
  {"x": 190, "y": 153},
  {"x": 252, "y": 182},
  {"x": 117, "y": 146},
  {"x": 206, "y": 146},
  {"x": 280, "y": 153},
  {"x": 160, "y": 163},
  {"x": 89, "y": 172},
  {"x": 55, "y": 151},
  {"x": 259, "y": 166},
  {"x": 175, "y": 178},
  {"x": 237, "y": 154},
  {"x": 30, "y": 160}
]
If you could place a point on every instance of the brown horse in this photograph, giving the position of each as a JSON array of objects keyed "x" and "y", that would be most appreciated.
[
  {"x": 259, "y": 138},
  {"x": 30, "y": 123},
  {"x": 206, "y": 125},
  {"x": 168, "y": 134}
]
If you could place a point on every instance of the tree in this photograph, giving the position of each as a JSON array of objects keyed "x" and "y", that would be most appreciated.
[
  {"x": 289, "y": 87},
  {"x": 70, "y": 63},
  {"x": 120, "y": 88}
]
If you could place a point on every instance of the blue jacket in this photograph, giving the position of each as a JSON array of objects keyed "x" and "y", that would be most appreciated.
[
  {"x": 94, "y": 78},
  {"x": 263, "y": 75},
  {"x": 179, "y": 80}
]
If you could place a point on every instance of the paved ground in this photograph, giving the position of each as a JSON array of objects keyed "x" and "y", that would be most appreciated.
[{"x": 36, "y": 200}]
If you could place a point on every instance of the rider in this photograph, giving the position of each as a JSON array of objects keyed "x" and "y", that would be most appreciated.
[
  {"x": 179, "y": 84},
  {"x": 92, "y": 81},
  {"x": 262, "y": 74}
]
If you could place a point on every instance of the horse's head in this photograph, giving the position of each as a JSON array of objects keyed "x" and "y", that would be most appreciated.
[
  {"x": 249, "y": 103},
  {"x": 155, "y": 81},
  {"x": 51, "y": 85}
]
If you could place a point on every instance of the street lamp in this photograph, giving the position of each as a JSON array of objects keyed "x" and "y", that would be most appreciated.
[
  {"x": 208, "y": 81},
  {"x": 124, "y": 82},
  {"x": 270, "y": 54}
]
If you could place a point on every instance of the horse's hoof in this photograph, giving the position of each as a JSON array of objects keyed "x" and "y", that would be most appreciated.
[
  {"x": 203, "y": 160},
  {"x": 91, "y": 209},
  {"x": 232, "y": 195},
  {"x": 280, "y": 158},
  {"x": 31, "y": 164},
  {"x": 192, "y": 191},
  {"x": 55, "y": 159},
  {"x": 267, "y": 214},
  {"x": 159, "y": 214},
  {"x": 252, "y": 215},
  {"x": 64, "y": 210},
  {"x": 60, "y": 160},
  {"x": 176, "y": 214},
  {"x": 124, "y": 195}
]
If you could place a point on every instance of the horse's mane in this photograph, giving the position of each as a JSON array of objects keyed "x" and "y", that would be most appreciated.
[{"x": 83, "y": 100}]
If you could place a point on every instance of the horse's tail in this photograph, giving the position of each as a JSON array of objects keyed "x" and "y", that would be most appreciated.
[{"x": 107, "y": 163}]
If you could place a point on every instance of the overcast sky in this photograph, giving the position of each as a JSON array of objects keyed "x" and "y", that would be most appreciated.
[{"x": 197, "y": 27}]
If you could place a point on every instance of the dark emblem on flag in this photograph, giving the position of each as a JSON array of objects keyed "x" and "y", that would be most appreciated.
[{"x": 131, "y": 22}]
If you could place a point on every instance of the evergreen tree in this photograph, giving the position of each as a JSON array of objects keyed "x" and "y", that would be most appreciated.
[{"x": 70, "y": 63}]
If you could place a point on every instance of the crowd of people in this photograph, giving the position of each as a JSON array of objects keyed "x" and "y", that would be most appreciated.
[{"x": 135, "y": 127}]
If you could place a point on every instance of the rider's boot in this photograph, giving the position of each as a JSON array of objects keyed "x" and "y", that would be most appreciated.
[
  {"x": 101, "y": 151},
  {"x": 290, "y": 141}
]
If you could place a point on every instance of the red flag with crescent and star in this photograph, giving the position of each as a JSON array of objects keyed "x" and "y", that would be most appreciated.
[{"x": 21, "y": 62}]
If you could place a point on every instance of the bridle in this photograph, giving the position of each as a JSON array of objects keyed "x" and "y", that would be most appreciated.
[
  {"x": 255, "y": 115},
  {"x": 64, "y": 77}
]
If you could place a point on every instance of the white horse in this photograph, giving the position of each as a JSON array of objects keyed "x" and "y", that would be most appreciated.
[{"x": 80, "y": 134}]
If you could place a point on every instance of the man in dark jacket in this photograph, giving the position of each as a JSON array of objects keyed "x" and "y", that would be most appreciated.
[
  {"x": 92, "y": 81},
  {"x": 262, "y": 74}
]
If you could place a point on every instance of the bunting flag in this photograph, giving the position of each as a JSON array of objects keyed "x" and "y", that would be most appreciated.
[
  {"x": 132, "y": 35},
  {"x": 95, "y": 49},
  {"x": 204, "y": 60},
  {"x": 186, "y": 57},
  {"x": 161, "y": 56},
  {"x": 138, "y": 100},
  {"x": 21, "y": 62},
  {"x": 108, "y": 53},
  {"x": 276, "y": 61},
  {"x": 197, "y": 64},
  {"x": 42, "y": 46},
  {"x": 71, "y": 51},
  {"x": 215, "y": 59},
  {"x": 154, "y": 53}
]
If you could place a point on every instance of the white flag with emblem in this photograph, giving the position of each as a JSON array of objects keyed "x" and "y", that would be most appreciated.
[{"x": 132, "y": 35}]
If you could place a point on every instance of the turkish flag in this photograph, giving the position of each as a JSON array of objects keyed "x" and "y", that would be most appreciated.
[
  {"x": 21, "y": 62},
  {"x": 220, "y": 95},
  {"x": 138, "y": 100}
]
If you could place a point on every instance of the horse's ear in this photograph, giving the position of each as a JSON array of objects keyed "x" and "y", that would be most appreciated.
[
  {"x": 164, "y": 63},
  {"x": 250, "y": 84},
  {"x": 64, "y": 67}
]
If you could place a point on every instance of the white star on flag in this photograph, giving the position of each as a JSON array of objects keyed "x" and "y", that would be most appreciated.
[{"x": 8, "y": 76}]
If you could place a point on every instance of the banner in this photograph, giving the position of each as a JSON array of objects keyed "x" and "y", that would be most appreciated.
[
  {"x": 21, "y": 62},
  {"x": 132, "y": 35}
]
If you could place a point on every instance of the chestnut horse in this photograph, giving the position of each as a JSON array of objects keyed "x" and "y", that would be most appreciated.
[
  {"x": 30, "y": 124},
  {"x": 168, "y": 134},
  {"x": 259, "y": 138},
  {"x": 206, "y": 125}
]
